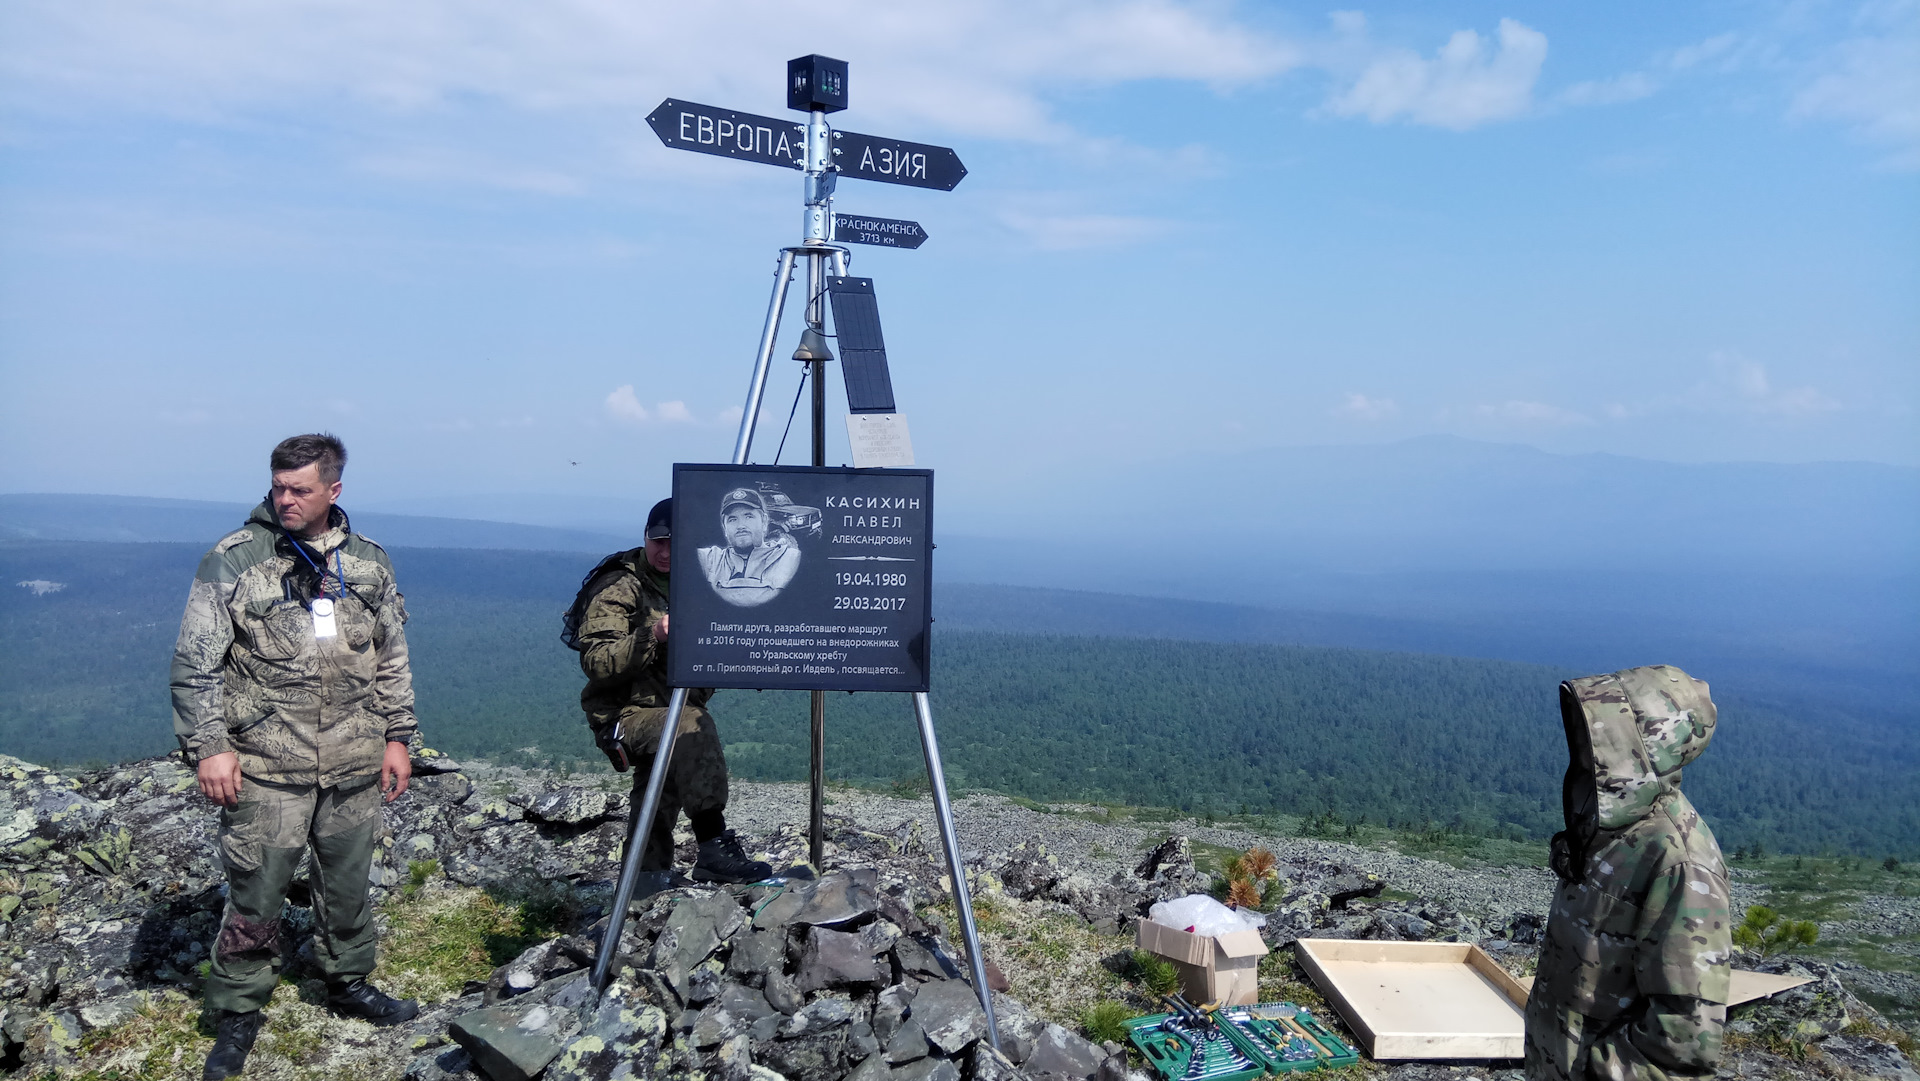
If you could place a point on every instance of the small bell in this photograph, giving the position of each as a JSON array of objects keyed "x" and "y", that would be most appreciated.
[{"x": 813, "y": 346}]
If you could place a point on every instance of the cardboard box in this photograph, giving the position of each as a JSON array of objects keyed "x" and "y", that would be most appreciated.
[{"x": 1213, "y": 968}]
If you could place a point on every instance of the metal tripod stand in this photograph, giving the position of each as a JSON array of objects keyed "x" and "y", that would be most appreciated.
[{"x": 817, "y": 249}]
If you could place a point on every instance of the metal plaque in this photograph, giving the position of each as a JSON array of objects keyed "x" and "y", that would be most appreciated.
[
  {"x": 895, "y": 161},
  {"x": 879, "y": 439},
  {"x": 798, "y": 578},
  {"x": 707, "y": 129},
  {"x": 885, "y": 232}
]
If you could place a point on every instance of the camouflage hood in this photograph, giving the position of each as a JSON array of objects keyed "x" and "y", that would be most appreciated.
[{"x": 1636, "y": 729}]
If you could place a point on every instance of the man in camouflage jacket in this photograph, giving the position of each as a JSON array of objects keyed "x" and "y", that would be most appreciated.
[
  {"x": 621, "y": 634},
  {"x": 1633, "y": 975},
  {"x": 293, "y": 698}
]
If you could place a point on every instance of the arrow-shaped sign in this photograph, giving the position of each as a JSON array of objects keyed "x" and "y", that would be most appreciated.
[
  {"x": 894, "y": 161},
  {"x": 885, "y": 232},
  {"x": 704, "y": 129},
  {"x": 708, "y": 129}
]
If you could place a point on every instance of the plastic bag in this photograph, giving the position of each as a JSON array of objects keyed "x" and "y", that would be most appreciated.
[{"x": 1202, "y": 915}]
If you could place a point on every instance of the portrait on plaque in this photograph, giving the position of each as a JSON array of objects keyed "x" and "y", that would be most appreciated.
[
  {"x": 814, "y": 579},
  {"x": 759, "y": 549}
]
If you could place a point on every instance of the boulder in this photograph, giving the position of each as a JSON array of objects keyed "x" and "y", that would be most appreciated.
[
  {"x": 1059, "y": 1053},
  {"x": 1866, "y": 1057},
  {"x": 569, "y": 806},
  {"x": 696, "y": 927},
  {"x": 836, "y": 959},
  {"x": 511, "y": 1044},
  {"x": 1807, "y": 1012},
  {"x": 619, "y": 1040},
  {"x": 844, "y": 898},
  {"x": 950, "y": 1014}
]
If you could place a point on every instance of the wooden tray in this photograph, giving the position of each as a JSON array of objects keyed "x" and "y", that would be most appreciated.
[
  {"x": 1420, "y": 1000},
  {"x": 1745, "y": 986}
]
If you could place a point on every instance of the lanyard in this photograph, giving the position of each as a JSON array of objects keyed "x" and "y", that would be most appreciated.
[{"x": 339, "y": 569}]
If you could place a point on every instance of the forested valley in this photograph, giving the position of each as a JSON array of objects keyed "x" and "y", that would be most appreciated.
[{"x": 1400, "y": 739}]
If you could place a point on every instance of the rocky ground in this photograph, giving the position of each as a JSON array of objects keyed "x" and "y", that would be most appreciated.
[{"x": 493, "y": 885}]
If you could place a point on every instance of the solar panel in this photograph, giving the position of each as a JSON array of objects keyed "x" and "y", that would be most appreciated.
[{"x": 863, "y": 352}]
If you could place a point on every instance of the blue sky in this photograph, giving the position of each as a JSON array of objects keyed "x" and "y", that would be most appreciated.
[{"x": 444, "y": 231}]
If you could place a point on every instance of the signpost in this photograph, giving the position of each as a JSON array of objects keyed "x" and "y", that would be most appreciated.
[
  {"x": 883, "y": 232},
  {"x": 865, "y": 574},
  {"x": 704, "y": 129}
]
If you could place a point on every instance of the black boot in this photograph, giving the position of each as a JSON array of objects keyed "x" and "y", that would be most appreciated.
[
  {"x": 233, "y": 1036},
  {"x": 723, "y": 860},
  {"x": 368, "y": 1003}
]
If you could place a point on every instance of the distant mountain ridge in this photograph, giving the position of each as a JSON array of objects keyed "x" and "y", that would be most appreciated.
[{"x": 55, "y": 516}]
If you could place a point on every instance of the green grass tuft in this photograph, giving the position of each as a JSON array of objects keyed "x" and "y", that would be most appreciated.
[{"x": 1106, "y": 1021}]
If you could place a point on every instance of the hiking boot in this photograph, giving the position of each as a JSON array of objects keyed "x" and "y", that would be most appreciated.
[
  {"x": 233, "y": 1036},
  {"x": 723, "y": 860},
  {"x": 648, "y": 883},
  {"x": 368, "y": 1003}
]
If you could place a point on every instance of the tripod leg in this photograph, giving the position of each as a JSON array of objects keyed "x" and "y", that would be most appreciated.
[
  {"x": 962, "y": 899},
  {"x": 750, "y": 414},
  {"x": 817, "y": 774},
  {"x": 637, "y": 844}
]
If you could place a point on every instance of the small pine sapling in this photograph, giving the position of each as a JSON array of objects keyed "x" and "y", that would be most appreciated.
[{"x": 1765, "y": 932}]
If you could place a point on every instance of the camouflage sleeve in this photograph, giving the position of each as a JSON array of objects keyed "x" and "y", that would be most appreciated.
[
  {"x": 1675, "y": 1036},
  {"x": 1685, "y": 934},
  {"x": 616, "y": 634},
  {"x": 199, "y": 661},
  {"x": 392, "y": 673}
]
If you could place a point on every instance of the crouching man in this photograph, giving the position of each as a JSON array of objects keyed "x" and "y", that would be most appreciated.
[
  {"x": 1633, "y": 975},
  {"x": 292, "y": 694},
  {"x": 619, "y": 624}
]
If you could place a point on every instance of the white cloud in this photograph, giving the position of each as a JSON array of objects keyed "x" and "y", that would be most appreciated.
[
  {"x": 1734, "y": 384},
  {"x": 1526, "y": 412},
  {"x": 1744, "y": 385},
  {"x": 1631, "y": 86},
  {"x": 673, "y": 413},
  {"x": 977, "y": 66},
  {"x": 1871, "y": 84},
  {"x": 1463, "y": 85},
  {"x": 1361, "y": 407},
  {"x": 623, "y": 405},
  {"x": 1722, "y": 52},
  {"x": 1075, "y": 232}
]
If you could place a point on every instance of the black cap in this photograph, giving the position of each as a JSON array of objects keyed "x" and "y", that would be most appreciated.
[{"x": 660, "y": 520}]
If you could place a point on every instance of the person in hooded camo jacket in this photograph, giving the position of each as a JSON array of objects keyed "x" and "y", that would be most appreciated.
[{"x": 1633, "y": 975}]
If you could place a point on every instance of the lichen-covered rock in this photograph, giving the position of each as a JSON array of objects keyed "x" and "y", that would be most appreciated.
[
  {"x": 569, "y": 806},
  {"x": 949, "y": 1011},
  {"x": 1807, "y": 1012},
  {"x": 512, "y": 1043}
]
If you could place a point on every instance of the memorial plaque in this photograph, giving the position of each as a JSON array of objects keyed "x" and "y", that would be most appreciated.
[{"x": 796, "y": 578}]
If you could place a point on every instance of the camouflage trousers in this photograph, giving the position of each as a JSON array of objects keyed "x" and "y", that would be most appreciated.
[
  {"x": 261, "y": 842},
  {"x": 696, "y": 777}
]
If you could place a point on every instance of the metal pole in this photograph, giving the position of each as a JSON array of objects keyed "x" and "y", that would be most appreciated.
[
  {"x": 962, "y": 899},
  {"x": 817, "y": 734},
  {"x": 637, "y": 843},
  {"x": 817, "y": 775},
  {"x": 817, "y": 228},
  {"x": 750, "y": 413}
]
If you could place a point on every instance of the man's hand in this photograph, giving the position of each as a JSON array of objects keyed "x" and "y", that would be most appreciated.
[
  {"x": 660, "y": 629},
  {"x": 220, "y": 778},
  {"x": 396, "y": 769}
]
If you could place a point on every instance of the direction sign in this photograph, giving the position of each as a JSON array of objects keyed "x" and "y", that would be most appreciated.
[
  {"x": 895, "y": 161},
  {"x": 885, "y": 232},
  {"x": 706, "y": 129}
]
